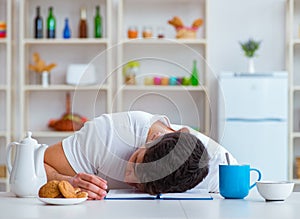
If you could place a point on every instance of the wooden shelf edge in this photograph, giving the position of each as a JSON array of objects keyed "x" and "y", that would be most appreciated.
[
  {"x": 296, "y": 134},
  {"x": 50, "y": 134},
  {"x": 65, "y": 41},
  {"x": 164, "y": 41},
  {"x": 64, "y": 87},
  {"x": 162, "y": 88}
]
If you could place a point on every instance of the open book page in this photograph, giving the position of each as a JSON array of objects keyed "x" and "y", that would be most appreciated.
[
  {"x": 193, "y": 194},
  {"x": 128, "y": 194}
]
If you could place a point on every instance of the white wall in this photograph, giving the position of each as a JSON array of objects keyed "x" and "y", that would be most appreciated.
[{"x": 232, "y": 21}]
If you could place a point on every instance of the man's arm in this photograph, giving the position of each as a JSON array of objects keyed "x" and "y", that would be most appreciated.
[{"x": 58, "y": 168}]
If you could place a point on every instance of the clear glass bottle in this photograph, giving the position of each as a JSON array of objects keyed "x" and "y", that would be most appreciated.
[
  {"x": 51, "y": 24},
  {"x": 38, "y": 24},
  {"x": 83, "y": 24},
  {"x": 67, "y": 31},
  {"x": 98, "y": 23}
]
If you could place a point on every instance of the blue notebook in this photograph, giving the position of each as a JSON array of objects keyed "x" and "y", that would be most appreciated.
[{"x": 134, "y": 194}]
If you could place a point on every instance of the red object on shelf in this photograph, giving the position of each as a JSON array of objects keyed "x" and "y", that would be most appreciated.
[{"x": 2, "y": 34}]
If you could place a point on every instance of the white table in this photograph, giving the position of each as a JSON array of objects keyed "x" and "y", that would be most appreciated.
[{"x": 251, "y": 207}]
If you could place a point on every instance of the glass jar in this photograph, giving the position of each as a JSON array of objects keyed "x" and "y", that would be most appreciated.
[
  {"x": 147, "y": 32},
  {"x": 132, "y": 32},
  {"x": 131, "y": 69},
  {"x": 160, "y": 32}
]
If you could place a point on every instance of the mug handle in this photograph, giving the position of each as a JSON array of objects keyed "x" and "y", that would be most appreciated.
[{"x": 259, "y": 177}]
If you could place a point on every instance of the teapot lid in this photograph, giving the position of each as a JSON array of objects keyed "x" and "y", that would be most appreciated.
[{"x": 29, "y": 140}]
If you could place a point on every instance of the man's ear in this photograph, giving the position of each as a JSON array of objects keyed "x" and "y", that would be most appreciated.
[{"x": 186, "y": 130}]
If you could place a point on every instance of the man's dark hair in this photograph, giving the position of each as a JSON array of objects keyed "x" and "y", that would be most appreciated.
[{"x": 174, "y": 163}]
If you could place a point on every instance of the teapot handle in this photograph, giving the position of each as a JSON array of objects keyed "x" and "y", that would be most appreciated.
[{"x": 8, "y": 155}]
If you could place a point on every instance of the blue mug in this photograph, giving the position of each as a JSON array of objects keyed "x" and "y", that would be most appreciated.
[{"x": 234, "y": 180}]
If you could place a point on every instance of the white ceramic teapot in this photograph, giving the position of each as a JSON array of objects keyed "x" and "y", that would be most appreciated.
[{"x": 27, "y": 174}]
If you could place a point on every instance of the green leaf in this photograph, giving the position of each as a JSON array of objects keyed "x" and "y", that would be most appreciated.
[{"x": 250, "y": 47}]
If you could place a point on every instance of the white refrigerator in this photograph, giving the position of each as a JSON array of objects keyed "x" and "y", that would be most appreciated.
[{"x": 252, "y": 120}]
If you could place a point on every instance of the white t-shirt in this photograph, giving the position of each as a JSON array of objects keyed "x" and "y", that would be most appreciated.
[{"x": 105, "y": 144}]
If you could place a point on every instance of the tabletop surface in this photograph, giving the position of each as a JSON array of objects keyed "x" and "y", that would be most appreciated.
[{"x": 252, "y": 206}]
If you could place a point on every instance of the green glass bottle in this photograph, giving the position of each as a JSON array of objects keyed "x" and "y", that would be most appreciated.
[
  {"x": 51, "y": 24},
  {"x": 98, "y": 23},
  {"x": 195, "y": 77}
]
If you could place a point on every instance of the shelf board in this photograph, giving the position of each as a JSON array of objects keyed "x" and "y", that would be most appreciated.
[
  {"x": 296, "y": 41},
  {"x": 3, "y": 134},
  {"x": 164, "y": 41},
  {"x": 297, "y": 181},
  {"x": 296, "y": 134},
  {"x": 66, "y": 41},
  {"x": 3, "y": 179},
  {"x": 173, "y": 2},
  {"x": 296, "y": 88},
  {"x": 3, "y": 40},
  {"x": 162, "y": 88},
  {"x": 63, "y": 87},
  {"x": 51, "y": 134},
  {"x": 3, "y": 87}
]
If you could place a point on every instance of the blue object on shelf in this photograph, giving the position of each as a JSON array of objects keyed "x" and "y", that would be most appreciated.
[{"x": 67, "y": 31}]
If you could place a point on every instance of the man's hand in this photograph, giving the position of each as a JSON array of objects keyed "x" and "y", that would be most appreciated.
[{"x": 92, "y": 184}]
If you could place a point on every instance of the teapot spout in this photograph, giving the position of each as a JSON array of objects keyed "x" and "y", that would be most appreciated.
[{"x": 39, "y": 161}]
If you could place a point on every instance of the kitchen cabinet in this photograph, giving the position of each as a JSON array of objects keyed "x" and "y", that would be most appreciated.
[
  {"x": 293, "y": 66},
  {"x": 39, "y": 104},
  {"x": 166, "y": 57}
]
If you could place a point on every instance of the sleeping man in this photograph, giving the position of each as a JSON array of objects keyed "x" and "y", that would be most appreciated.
[{"x": 135, "y": 149}]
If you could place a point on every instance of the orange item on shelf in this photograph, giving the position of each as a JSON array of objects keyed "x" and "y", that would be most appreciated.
[
  {"x": 68, "y": 121},
  {"x": 132, "y": 32},
  {"x": 164, "y": 81}
]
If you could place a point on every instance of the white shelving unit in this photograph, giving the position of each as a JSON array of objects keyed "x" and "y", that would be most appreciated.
[
  {"x": 39, "y": 104},
  {"x": 293, "y": 66},
  {"x": 5, "y": 88},
  {"x": 164, "y": 57}
]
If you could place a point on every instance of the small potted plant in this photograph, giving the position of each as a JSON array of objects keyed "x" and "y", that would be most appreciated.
[{"x": 250, "y": 47}]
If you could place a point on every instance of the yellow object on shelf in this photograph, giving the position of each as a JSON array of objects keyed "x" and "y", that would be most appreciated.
[
  {"x": 2, "y": 171},
  {"x": 298, "y": 167}
]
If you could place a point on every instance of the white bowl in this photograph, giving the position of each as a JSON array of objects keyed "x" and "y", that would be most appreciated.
[{"x": 274, "y": 190}]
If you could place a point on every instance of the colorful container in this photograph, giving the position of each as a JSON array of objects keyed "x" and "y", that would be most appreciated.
[
  {"x": 157, "y": 80},
  {"x": 2, "y": 29},
  {"x": 173, "y": 81},
  {"x": 148, "y": 81},
  {"x": 164, "y": 81}
]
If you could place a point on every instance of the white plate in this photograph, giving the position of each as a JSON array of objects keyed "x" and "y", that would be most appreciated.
[{"x": 62, "y": 201}]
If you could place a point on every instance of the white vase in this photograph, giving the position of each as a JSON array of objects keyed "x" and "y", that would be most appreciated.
[
  {"x": 45, "y": 78},
  {"x": 251, "y": 68}
]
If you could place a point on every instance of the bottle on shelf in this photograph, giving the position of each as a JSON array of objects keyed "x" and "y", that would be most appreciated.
[
  {"x": 38, "y": 24},
  {"x": 67, "y": 31},
  {"x": 51, "y": 24},
  {"x": 194, "y": 77},
  {"x": 83, "y": 24},
  {"x": 98, "y": 23}
]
